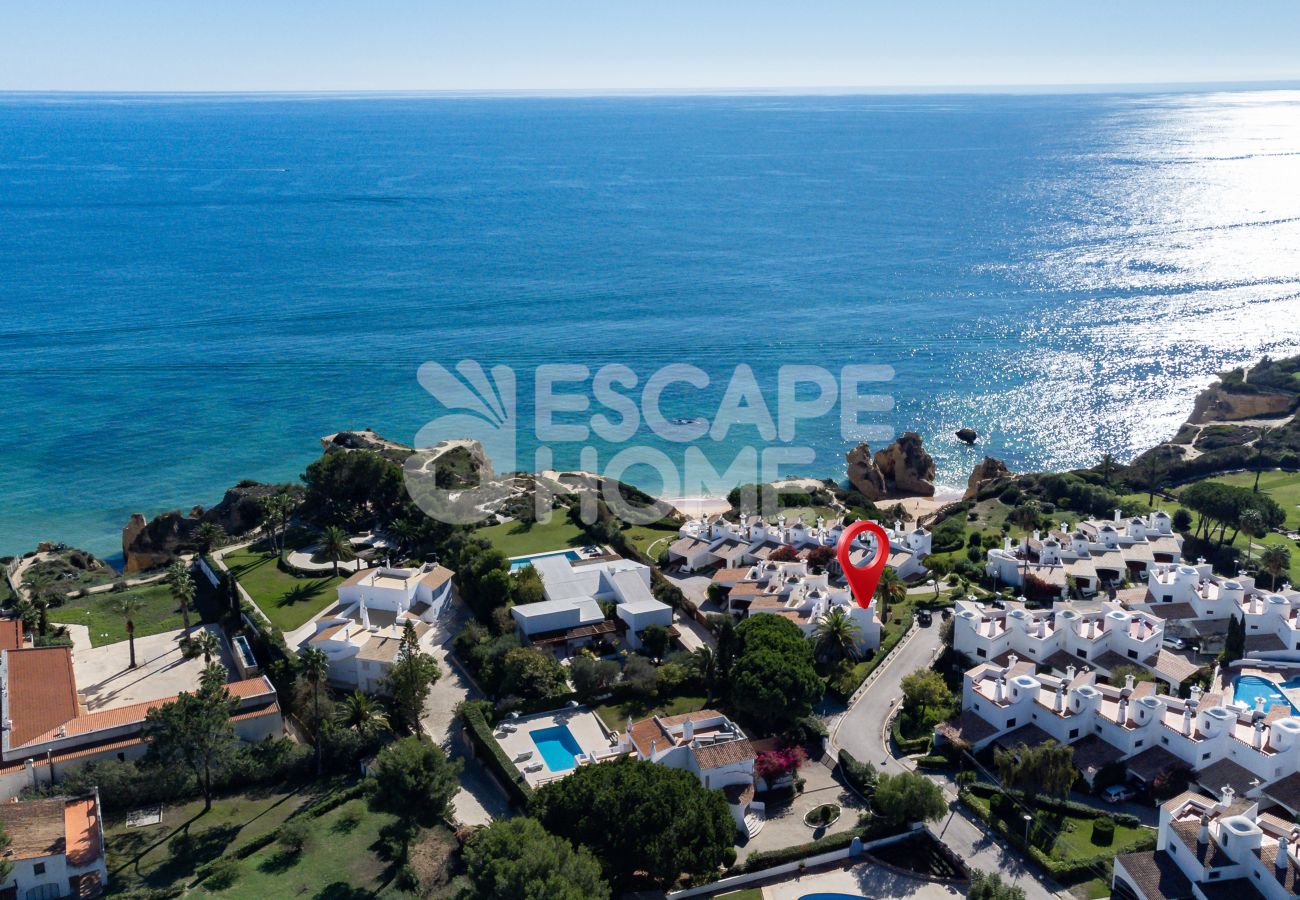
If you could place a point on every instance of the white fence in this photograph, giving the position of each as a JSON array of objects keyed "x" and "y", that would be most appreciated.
[{"x": 738, "y": 881}]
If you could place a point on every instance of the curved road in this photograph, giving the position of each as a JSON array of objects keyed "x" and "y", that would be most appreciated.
[{"x": 861, "y": 731}]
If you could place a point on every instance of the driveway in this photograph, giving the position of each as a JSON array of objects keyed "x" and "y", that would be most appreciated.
[
  {"x": 861, "y": 731},
  {"x": 479, "y": 800},
  {"x": 785, "y": 827}
]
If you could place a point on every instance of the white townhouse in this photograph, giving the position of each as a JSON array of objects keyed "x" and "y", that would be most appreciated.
[
  {"x": 571, "y": 614},
  {"x": 1251, "y": 748},
  {"x": 1102, "y": 635},
  {"x": 717, "y": 543},
  {"x": 799, "y": 593},
  {"x": 361, "y": 635},
  {"x": 1203, "y": 601},
  {"x": 1094, "y": 554},
  {"x": 710, "y": 746},
  {"x": 55, "y": 848},
  {"x": 1213, "y": 849}
]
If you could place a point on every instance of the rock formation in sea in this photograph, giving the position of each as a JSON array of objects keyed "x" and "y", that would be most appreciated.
[
  {"x": 967, "y": 435},
  {"x": 148, "y": 544},
  {"x": 903, "y": 468},
  {"x": 984, "y": 474}
]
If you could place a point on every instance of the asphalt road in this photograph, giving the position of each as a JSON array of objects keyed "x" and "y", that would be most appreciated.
[{"x": 861, "y": 731}]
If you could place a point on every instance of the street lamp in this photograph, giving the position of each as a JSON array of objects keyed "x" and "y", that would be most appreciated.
[{"x": 1028, "y": 818}]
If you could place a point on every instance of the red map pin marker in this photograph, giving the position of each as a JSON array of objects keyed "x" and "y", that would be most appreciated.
[{"x": 863, "y": 580}]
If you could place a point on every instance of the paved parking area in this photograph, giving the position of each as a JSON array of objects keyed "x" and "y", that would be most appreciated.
[{"x": 106, "y": 682}]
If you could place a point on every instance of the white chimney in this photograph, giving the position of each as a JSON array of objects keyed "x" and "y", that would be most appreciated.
[
  {"x": 1011, "y": 661},
  {"x": 1187, "y": 720},
  {"x": 652, "y": 749},
  {"x": 1128, "y": 682},
  {"x": 1257, "y": 739},
  {"x": 1203, "y": 836},
  {"x": 688, "y": 730},
  {"x": 1069, "y": 673},
  {"x": 1227, "y": 794},
  {"x": 1196, "y": 693},
  {"x": 1059, "y": 703},
  {"x": 1259, "y": 704},
  {"x": 365, "y": 615},
  {"x": 999, "y": 692},
  {"x": 1281, "y": 862}
]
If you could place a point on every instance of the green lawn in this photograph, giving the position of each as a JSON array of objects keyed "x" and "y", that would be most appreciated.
[
  {"x": 287, "y": 601},
  {"x": 520, "y": 539},
  {"x": 809, "y": 513},
  {"x": 141, "y": 858},
  {"x": 338, "y": 860},
  {"x": 615, "y": 715},
  {"x": 746, "y": 894},
  {"x": 1284, "y": 487},
  {"x": 650, "y": 540},
  {"x": 107, "y": 626}
]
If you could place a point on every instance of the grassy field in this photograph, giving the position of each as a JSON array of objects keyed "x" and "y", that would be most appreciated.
[
  {"x": 809, "y": 513},
  {"x": 615, "y": 715},
  {"x": 141, "y": 858},
  {"x": 287, "y": 601},
  {"x": 519, "y": 539},
  {"x": 651, "y": 541},
  {"x": 107, "y": 626},
  {"x": 341, "y": 858},
  {"x": 1284, "y": 487}
]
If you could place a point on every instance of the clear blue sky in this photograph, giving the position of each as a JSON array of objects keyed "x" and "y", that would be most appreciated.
[{"x": 214, "y": 45}]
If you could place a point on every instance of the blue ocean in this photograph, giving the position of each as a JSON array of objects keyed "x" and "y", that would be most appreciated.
[{"x": 194, "y": 289}]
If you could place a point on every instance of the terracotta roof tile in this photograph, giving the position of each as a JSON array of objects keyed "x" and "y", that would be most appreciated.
[
  {"x": 81, "y": 831},
  {"x": 1157, "y": 875},
  {"x": 11, "y": 634},
  {"x": 35, "y": 827},
  {"x": 42, "y": 691},
  {"x": 437, "y": 577},
  {"x": 714, "y": 756}
]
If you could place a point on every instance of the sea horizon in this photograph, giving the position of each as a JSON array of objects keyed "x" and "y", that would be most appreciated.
[{"x": 201, "y": 286}]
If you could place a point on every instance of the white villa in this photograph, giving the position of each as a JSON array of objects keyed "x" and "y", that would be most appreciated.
[
  {"x": 1194, "y": 596},
  {"x": 1098, "y": 634},
  {"x": 1253, "y": 749},
  {"x": 718, "y": 544},
  {"x": 1095, "y": 554},
  {"x": 795, "y": 592},
  {"x": 1224, "y": 849},
  {"x": 361, "y": 634},
  {"x": 713, "y": 748},
  {"x": 571, "y": 616}
]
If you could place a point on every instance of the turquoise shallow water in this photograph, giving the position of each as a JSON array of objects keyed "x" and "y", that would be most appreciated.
[{"x": 193, "y": 290}]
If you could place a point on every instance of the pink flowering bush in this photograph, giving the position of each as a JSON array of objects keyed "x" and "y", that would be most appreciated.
[{"x": 776, "y": 764}]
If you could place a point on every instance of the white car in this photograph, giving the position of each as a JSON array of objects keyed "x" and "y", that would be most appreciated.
[
  {"x": 1117, "y": 793},
  {"x": 1175, "y": 643}
]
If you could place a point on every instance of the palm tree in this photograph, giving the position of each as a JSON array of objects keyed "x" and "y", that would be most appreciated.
[
  {"x": 889, "y": 590},
  {"x": 128, "y": 605},
  {"x": 1275, "y": 560},
  {"x": 207, "y": 643},
  {"x": 1250, "y": 523},
  {"x": 1259, "y": 453},
  {"x": 706, "y": 664},
  {"x": 837, "y": 635},
  {"x": 315, "y": 665},
  {"x": 182, "y": 588},
  {"x": 276, "y": 509},
  {"x": 362, "y": 714},
  {"x": 1027, "y": 516},
  {"x": 40, "y": 585},
  {"x": 1107, "y": 466},
  {"x": 336, "y": 546},
  {"x": 208, "y": 535},
  {"x": 405, "y": 532}
]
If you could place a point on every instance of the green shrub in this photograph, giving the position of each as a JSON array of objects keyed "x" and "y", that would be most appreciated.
[
  {"x": 292, "y": 836},
  {"x": 933, "y": 761},
  {"x": 222, "y": 874},
  {"x": 1103, "y": 831},
  {"x": 909, "y": 746},
  {"x": 495, "y": 758},
  {"x": 861, "y": 776}
]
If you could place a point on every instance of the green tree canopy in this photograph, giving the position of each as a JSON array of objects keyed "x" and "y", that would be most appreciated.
[
  {"x": 1046, "y": 770},
  {"x": 414, "y": 780},
  {"x": 410, "y": 679},
  {"x": 990, "y": 886},
  {"x": 925, "y": 690},
  {"x": 519, "y": 858},
  {"x": 908, "y": 797},
  {"x": 773, "y": 681},
  {"x": 194, "y": 730},
  {"x": 529, "y": 673},
  {"x": 638, "y": 816}
]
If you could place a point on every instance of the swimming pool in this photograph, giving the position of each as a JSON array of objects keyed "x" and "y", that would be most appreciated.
[
  {"x": 557, "y": 746},
  {"x": 520, "y": 562},
  {"x": 1248, "y": 687}
]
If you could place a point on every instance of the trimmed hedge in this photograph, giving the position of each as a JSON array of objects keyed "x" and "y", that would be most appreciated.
[
  {"x": 480, "y": 732},
  {"x": 1069, "y": 807},
  {"x": 1078, "y": 869},
  {"x": 844, "y": 688},
  {"x": 909, "y": 746},
  {"x": 933, "y": 761}
]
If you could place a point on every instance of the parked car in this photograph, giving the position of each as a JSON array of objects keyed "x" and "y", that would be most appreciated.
[
  {"x": 1174, "y": 643},
  {"x": 1117, "y": 793},
  {"x": 925, "y": 617}
]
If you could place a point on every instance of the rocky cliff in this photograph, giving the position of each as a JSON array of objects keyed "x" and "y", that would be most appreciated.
[
  {"x": 903, "y": 468},
  {"x": 984, "y": 474},
  {"x": 148, "y": 544}
]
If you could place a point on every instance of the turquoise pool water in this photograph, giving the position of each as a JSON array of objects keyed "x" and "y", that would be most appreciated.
[
  {"x": 519, "y": 562},
  {"x": 557, "y": 746},
  {"x": 1248, "y": 687}
]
